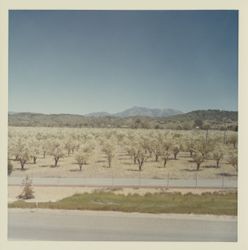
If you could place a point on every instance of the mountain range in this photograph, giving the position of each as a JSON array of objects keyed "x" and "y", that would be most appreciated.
[
  {"x": 136, "y": 117},
  {"x": 139, "y": 111}
]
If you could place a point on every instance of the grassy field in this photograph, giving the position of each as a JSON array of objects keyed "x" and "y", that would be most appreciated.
[{"x": 216, "y": 203}]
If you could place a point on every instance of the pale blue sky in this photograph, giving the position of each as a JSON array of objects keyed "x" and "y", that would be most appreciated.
[{"x": 89, "y": 61}]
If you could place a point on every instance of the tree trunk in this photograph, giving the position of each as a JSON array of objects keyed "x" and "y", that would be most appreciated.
[
  {"x": 156, "y": 158},
  {"x": 217, "y": 163},
  {"x": 56, "y": 161},
  {"x": 34, "y": 160},
  {"x": 44, "y": 154},
  {"x": 140, "y": 163},
  {"x": 198, "y": 166},
  {"x": 175, "y": 156},
  {"x": 165, "y": 160},
  {"x": 80, "y": 166},
  {"x": 22, "y": 164},
  {"x": 109, "y": 162}
]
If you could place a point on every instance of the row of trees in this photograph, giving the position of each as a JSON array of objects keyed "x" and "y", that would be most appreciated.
[
  {"x": 160, "y": 146},
  {"x": 166, "y": 148}
]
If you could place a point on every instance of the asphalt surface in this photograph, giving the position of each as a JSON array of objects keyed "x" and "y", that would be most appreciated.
[
  {"x": 64, "y": 225},
  {"x": 128, "y": 182}
]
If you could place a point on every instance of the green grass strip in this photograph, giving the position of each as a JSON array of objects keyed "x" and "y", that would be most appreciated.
[{"x": 206, "y": 203}]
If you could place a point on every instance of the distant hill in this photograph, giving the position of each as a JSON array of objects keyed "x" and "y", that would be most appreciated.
[
  {"x": 98, "y": 114},
  {"x": 142, "y": 111},
  {"x": 138, "y": 111},
  {"x": 46, "y": 120},
  {"x": 210, "y": 115},
  {"x": 132, "y": 118}
]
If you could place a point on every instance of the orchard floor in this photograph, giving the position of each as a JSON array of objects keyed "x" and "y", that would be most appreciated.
[{"x": 123, "y": 167}]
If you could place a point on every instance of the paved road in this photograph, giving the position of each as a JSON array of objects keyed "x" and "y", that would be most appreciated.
[
  {"x": 62, "y": 225},
  {"x": 131, "y": 182}
]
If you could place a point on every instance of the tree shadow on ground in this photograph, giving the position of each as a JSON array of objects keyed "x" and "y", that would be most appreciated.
[
  {"x": 75, "y": 163},
  {"x": 19, "y": 169},
  {"x": 190, "y": 170},
  {"x": 75, "y": 170},
  {"x": 44, "y": 166},
  {"x": 162, "y": 167},
  {"x": 134, "y": 170},
  {"x": 209, "y": 166},
  {"x": 53, "y": 166},
  {"x": 157, "y": 178},
  {"x": 105, "y": 166},
  {"x": 100, "y": 161},
  {"x": 226, "y": 174}
]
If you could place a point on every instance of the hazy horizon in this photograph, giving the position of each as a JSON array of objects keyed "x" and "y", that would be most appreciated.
[
  {"x": 80, "y": 62},
  {"x": 111, "y": 113}
]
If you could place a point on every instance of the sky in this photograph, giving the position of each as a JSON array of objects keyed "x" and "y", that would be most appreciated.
[{"x": 80, "y": 62}]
